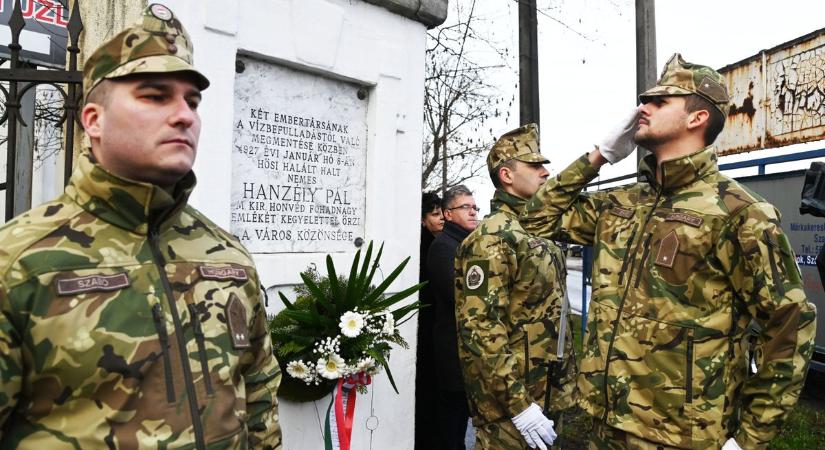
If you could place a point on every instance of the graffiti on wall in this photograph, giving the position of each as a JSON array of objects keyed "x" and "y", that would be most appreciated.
[{"x": 777, "y": 97}]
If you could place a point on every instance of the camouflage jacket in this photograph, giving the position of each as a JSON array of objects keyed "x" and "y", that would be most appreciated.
[
  {"x": 680, "y": 270},
  {"x": 129, "y": 320},
  {"x": 509, "y": 292}
]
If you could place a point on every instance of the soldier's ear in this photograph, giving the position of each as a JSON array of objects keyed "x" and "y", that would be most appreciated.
[
  {"x": 91, "y": 116},
  {"x": 505, "y": 175},
  {"x": 697, "y": 119}
]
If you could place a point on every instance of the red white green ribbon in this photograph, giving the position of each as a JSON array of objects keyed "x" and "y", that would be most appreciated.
[{"x": 341, "y": 411}]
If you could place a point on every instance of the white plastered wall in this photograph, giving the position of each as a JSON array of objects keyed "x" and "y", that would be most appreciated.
[{"x": 348, "y": 40}]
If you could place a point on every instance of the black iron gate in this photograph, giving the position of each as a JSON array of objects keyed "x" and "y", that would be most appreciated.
[{"x": 23, "y": 77}]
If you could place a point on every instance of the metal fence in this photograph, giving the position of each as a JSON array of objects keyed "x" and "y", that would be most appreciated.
[{"x": 19, "y": 81}]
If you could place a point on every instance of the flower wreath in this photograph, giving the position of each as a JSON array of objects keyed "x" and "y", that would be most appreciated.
[{"x": 338, "y": 327}]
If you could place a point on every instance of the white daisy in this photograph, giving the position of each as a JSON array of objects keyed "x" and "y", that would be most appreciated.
[
  {"x": 365, "y": 365},
  {"x": 351, "y": 324},
  {"x": 298, "y": 369},
  {"x": 332, "y": 367}
]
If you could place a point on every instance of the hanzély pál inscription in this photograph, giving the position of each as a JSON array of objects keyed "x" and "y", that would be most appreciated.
[{"x": 298, "y": 160}]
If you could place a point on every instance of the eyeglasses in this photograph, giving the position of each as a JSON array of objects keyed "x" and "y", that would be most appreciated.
[{"x": 465, "y": 207}]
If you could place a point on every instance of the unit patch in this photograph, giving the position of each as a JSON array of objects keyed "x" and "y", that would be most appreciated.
[
  {"x": 90, "y": 283},
  {"x": 475, "y": 278}
]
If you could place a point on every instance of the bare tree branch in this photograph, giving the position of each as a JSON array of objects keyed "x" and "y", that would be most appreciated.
[{"x": 460, "y": 98}]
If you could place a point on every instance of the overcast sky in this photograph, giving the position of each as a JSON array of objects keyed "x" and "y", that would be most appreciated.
[{"x": 587, "y": 60}]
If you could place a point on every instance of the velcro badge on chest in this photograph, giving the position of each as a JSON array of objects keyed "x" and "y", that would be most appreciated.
[
  {"x": 622, "y": 212},
  {"x": 223, "y": 273},
  {"x": 236, "y": 318},
  {"x": 667, "y": 250},
  {"x": 475, "y": 277},
  {"x": 92, "y": 283},
  {"x": 536, "y": 242},
  {"x": 694, "y": 221}
]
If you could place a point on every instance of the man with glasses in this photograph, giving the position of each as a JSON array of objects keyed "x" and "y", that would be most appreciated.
[
  {"x": 460, "y": 218},
  {"x": 510, "y": 307}
]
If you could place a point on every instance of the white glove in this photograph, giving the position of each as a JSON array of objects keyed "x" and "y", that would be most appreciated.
[
  {"x": 535, "y": 428},
  {"x": 731, "y": 445},
  {"x": 619, "y": 141}
]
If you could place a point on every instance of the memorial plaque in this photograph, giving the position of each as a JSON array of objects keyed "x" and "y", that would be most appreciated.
[{"x": 298, "y": 160}]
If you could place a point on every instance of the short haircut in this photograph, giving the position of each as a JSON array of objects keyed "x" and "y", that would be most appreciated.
[
  {"x": 452, "y": 193},
  {"x": 494, "y": 174},
  {"x": 716, "y": 121},
  {"x": 430, "y": 201},
  {"x": 100, "y": 93}
]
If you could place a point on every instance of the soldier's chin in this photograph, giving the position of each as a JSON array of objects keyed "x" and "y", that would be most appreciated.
[{"x": 643, "y": 140}]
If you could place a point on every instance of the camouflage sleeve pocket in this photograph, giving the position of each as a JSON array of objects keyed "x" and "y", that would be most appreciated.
[
  {"x": 779, "y": 254},
  {"x": 475, "y": 280},
  {"x": 789, "y": 260}
]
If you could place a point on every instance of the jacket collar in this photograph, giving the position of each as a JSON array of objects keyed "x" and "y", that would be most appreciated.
[
  {"x": 128, "y": 204},
  {"x": 680, "y": 172},
  {"x": 507, "y": 203},
  {"x": 455, "y": 231}
]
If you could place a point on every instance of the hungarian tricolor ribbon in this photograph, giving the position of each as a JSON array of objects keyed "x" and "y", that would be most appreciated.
[{"x": 341, "y": 412}]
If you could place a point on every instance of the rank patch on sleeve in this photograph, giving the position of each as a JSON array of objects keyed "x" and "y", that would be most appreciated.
[{"x": 475, "y": 278}]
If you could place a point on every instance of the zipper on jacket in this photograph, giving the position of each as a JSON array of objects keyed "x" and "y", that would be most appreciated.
[
  {"x": 627, "y": 253},
  {"x": 561, "y": 273},
  {"x": 689, "y": 369},
  {"x": 621, "y": 308},
  {"x": 198, "y": 329},
  {"x": 780, "y": 288},
  {"x": 645, "y": 254},
  {"x": 160, "y": 326},
  {"x": 160, "y": 262},
  {"x": 526, "y": 356}
]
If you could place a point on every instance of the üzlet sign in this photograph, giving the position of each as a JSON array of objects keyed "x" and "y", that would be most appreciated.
[{"x": 44, "y": 38}]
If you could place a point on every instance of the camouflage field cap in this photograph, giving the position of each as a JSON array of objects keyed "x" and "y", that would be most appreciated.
[
  {"x": 156, "y": 43},
  {"x": 683, "y": 78},
  {"x": 521, "y": 144}
]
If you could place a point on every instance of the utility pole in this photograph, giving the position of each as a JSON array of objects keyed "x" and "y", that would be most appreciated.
[
  {"x": 443, "y": 146},
  {"x": 645, "y": 52},
  {"x": 528, "y": 62}
]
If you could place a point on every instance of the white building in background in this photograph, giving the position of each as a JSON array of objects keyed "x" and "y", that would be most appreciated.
[{"x": 356, "y": 69}]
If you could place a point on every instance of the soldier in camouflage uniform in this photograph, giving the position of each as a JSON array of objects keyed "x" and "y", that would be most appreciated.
[
  {"x": 684, "y": 261},
  {"x": 129, "y": 320},
  {"x": 510, "y": 288}
]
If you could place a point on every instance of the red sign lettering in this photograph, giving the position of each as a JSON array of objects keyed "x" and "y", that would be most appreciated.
[{"x": 46, "y": 11}]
